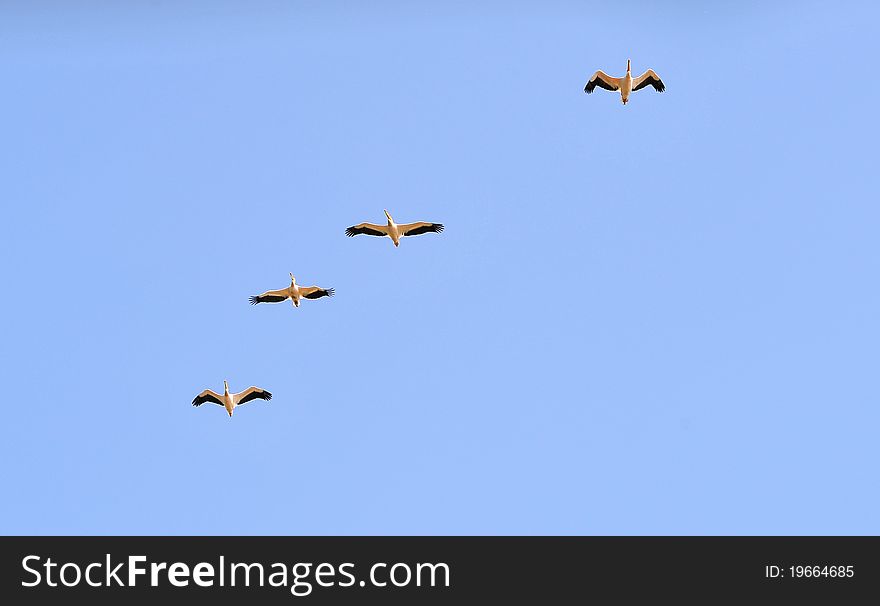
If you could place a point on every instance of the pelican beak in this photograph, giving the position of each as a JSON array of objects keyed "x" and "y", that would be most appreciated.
[
  {"x": 387, "y": 215},
  {"x": 627, "y": 65}
]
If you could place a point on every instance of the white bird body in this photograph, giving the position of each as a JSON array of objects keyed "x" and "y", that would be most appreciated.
[
  {"x": 294, "y": 292},
  {"x": 625, "y": 84},
  {"x": 393, "y": 230},
  {"x": 230, "y": 401}
]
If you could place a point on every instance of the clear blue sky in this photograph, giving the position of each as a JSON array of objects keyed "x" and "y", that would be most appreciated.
[{"x": 653, "y": 319}]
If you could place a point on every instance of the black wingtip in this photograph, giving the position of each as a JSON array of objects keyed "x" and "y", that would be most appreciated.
[
  {"x": 253, "y": 300},
  {"x": 331, "y": 292},
  {"x": 350, "y": 232},
  {"x": 268, "y": 395}
]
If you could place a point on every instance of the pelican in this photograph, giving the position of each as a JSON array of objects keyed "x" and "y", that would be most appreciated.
[
  {"x": 294, "y": 292},
  {"x": 625, "y": 85},
  {"x": 393, "y": 230},
  {"x": 230, "y": 400}
]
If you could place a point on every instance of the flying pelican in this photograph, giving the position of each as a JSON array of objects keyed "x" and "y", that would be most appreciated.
[
  {"x": 230, "y": 400},
  {"x": 294, "y": 292},
  {"x": 625, "y": 85},
  {"x": 393, "y": 230}
]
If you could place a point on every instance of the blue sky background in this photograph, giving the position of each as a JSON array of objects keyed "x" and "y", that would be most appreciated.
[{"x": 653, "y": 319}]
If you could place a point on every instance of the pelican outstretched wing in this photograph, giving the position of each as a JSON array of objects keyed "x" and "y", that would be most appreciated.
[
  {"x": 251, "y": 393},
  {"x": 649, "y": 78},
  {"x": 602, "y": 80},
  {"x": 270, "y": 296},
  {"x": 415, "y": 229},
  {"x": 209, "y": 397},
  {"x": 367, "y": 229},
  {"x": 315, "y": 292}
]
